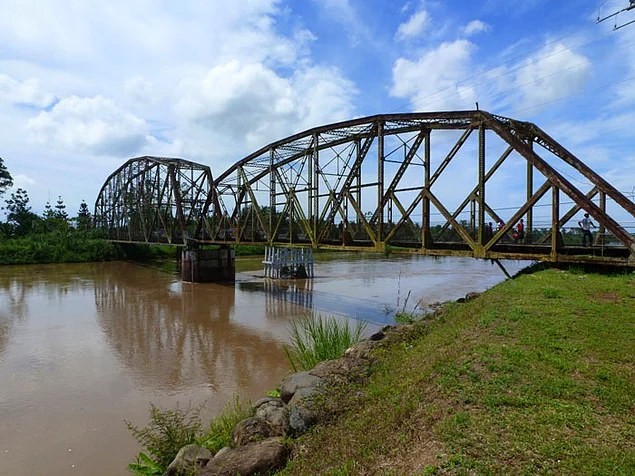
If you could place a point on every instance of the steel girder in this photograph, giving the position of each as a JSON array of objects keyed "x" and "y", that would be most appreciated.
[
  {"x": 426, "y": 181},
  {"x": 155, "y": 199}
]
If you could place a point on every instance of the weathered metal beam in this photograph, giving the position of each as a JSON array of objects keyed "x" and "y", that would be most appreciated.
[
  {"x": 563, "y": 184},
  {"x": 570, "y": 213},
  {"x": 148, "y": 195},
  {"x": 474, "y": 191}
]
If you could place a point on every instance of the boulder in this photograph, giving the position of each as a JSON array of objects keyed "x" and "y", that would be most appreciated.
[
  {"x": 398, "y": 333},
  {"x": 250, "y": 429},
  {"x": 274, "y": 412},
  {"x": 341, "y": 371},
  {"x": 298, "y": 380},
  {"x": 302, "y": 415},
  {"x": 223, "y": 450},
  {"x": 472, "y": 295},
  {"x": 188, "y": 459},
  {"x": 260, "y": 457},
  {"x": 377, "y": 336}
]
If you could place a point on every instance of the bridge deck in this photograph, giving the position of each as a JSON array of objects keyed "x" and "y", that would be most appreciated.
[{"x": 618, "y": 256}]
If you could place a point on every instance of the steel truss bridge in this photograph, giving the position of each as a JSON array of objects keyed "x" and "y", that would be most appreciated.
[{"x": 430, "y": 183}]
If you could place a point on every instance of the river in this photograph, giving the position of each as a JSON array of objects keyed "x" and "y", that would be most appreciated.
[{"x": 84, "y": 347}]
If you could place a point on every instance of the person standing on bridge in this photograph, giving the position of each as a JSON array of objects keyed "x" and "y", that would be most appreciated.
[
  {"x": 585, "y": 225},
  {"x": 520, "y": 231}
]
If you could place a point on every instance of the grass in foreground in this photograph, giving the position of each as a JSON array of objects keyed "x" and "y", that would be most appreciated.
[{"x": 537, "y": 376}]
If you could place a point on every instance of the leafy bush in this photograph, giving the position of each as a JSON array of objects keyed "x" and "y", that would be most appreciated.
[
  {"x": 316, "y": 338},
  {"x": 58, "y": 247},
  {"x": 167, "y": 432},
  {"x": 170, "y": 430}
]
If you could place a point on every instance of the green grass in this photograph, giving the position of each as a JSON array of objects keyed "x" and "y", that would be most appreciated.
[
  {"x": 249, "y": 250},
  {"x": 218, "y": 433},
  {"x": 536, "y": 376},
  {"x": 317, "y": 338}
]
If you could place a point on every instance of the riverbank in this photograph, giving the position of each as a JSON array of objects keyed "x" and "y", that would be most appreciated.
[
  {"x": 83, "y": 246},
  {"x": 71, "y": 246},
  {"x": 537, "y": 375}
]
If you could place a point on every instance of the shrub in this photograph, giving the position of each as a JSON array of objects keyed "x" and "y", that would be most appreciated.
[
  {"x": 167, "y": 432},
  {"x": 316, "y": 338}
]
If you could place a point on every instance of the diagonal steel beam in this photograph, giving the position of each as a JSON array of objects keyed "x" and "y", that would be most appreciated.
[
  {"x": 339, "y": 196},
  {"x": 562, "y": 183},
  {"x": 448, "y": 216},
  {"x": 473, "y": 194},
  {"x": 412, "y": 152}
]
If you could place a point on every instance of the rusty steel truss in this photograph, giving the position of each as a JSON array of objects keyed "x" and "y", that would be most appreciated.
[
  {"x": 432, "y": 183},
  {"x": 155, "y": 200}
]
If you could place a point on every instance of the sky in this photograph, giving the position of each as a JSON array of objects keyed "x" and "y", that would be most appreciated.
[{"x": 86, "y": 85}]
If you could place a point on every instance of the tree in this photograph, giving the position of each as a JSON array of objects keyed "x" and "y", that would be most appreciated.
[
  {"x": 6, "y": 181},
  {"x": 20, "y": 214},
  {"x": 60, "y": 210},
  {"x": 48, "y": 212},
  {"x": 83, "y": 217}
]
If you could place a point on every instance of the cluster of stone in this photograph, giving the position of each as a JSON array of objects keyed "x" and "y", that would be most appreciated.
[{"x": 258, "y": 442}]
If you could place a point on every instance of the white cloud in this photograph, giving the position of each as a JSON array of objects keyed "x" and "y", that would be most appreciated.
[
  {"x": 27, "y": 92},
  {"x": 474, "y": 27},
  {"x": 433, "y": 81},
  {"x": 213, "y": 81},
  {"x": 140, "y": 89},
  {"x": 551, "y": 74},
  {"x": 413, "y": 28},
  {"x": 625, "y": 53},
  {"x": 23, "y": 181},
  {"x": 344, "y": 13},
  {"x": 96, "y": 125},
  {"x": 249, "y": 105}
]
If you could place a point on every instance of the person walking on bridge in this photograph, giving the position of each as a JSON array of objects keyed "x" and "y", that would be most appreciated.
[{"x": 585, "y": 225}]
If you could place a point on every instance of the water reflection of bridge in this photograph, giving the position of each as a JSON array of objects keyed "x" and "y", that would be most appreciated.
[
  {"x": 171, "y": 336},
  {"x": 282, "y": 295},
  {"x": 422, "y": 182}
]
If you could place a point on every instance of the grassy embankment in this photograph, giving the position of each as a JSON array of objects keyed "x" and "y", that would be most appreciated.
[{"x": 537, "y": 376}]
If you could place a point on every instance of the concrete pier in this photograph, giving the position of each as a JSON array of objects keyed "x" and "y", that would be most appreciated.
[{"x": 206, "y": 266}]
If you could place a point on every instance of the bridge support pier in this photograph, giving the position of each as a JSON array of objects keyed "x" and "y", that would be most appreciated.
[{"x": 206, "y": 266}]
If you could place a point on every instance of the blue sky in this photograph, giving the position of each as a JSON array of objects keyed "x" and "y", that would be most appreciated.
[{"x": 86, "y": 85}]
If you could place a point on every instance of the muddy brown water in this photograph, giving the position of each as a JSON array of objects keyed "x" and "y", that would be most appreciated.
[{"x": 84, "y": 347}]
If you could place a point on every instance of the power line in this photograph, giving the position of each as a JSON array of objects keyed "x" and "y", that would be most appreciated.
[{"x": 434, "y": 95}]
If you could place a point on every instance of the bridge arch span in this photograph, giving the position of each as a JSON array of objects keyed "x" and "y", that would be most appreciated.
[
  {"x": 430, "y": 182},
  {"x": 156, "y": 200}
]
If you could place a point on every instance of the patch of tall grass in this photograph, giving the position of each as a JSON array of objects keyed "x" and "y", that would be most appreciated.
[{"x": 317, "y": 338}]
